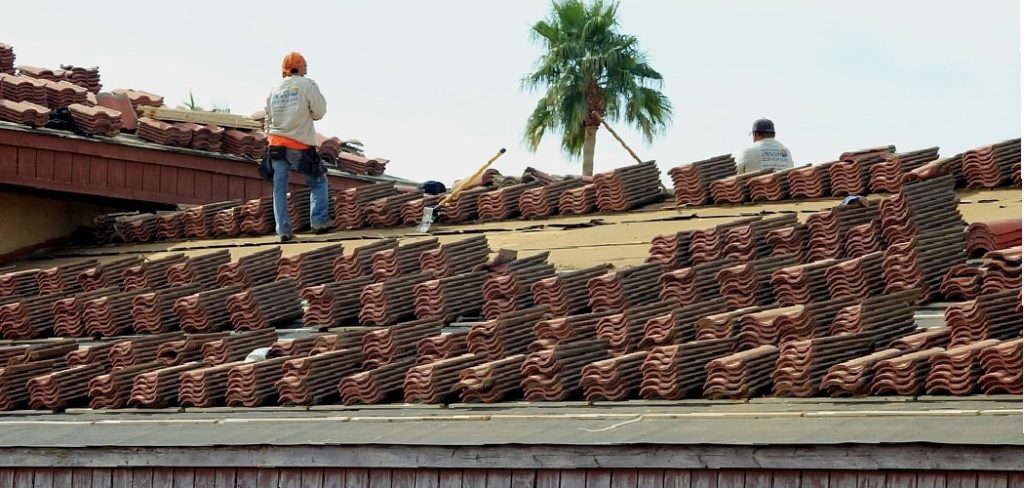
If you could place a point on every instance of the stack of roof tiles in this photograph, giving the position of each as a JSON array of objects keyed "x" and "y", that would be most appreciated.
[
  {"x": 811, "y": 181},
  {"x": 200, "y": 269},
  {"x": 512, "y": 290},
  {"x": 377, "y": 385},
  {"x": 983, "y": 237},
  {"x": 350, "y": 204},
  {"x": 27, "y": 113},
  {"x": 205, "y": 387},
  {"x": 441, "y": 346},
  {"x": 434, "y": 382},
  {"x": 356, "y": 164},
  {"x": 674, "y": 372},
  {"x": 888, "y": 175},
  {"x": 578, "y": 201},
  {"x": 854, "y": 377},
  {"x": 412, "y": 211},
  {"x": 399, "y": 341},
  {"x": 464, "y": 207},
  {"x": 734, "y": 189},
  {"x": 252, "y": 270},
  {"x": 956, "y": 370},
  {"x": 542, "y": 201},
  {"x": 613, "y": 379},
  {"x": 626, "y": 329},
  {"x": 23, "y": 89},
  {"x": 310, "y": 268},
  {"x": 267, "y": 305},
  {"x": 883, "y": 317},
  {"x": 742, "y": 374},
  {"x": 140, "y": 350},
  {"x": 680, "y": 325},
  {"x": 749, "y": 241},
  {"x": 450, "y": 297},
  {"x": 627, "y": 188},
  {"x": 159, "y": 388},
  {"x": 241, "y": 143},
  {"x": 205, "y": 311},
  {"x": 455, "y": 257},
  {"x": 803, "y": 364},
  {"x": 63, "y": 388},
  {"x": 360, "y": 262},
  {"x": 747, "y": 284},
  {"x": 566, "y": 293},
  {"x": 152, "y": 274},
  {"x": 400, "y": 260},
  {"x": 96, "y": 120},
  {"x": 390, "y": 301},
  {"x": 335, "y": 303},
  {"x": 257, "y": 216},
  {"x": 197, "y": 222},
  {"x": 828, "y": 231},
  {"x": 153, "y": 312},
  {"x": 491, "y": 381},
  {"x": 87, "y": 77},
  {"x": 503, "y": 203},
  {"x": 140, "y": 98},
  {"x": 63, "y": 93},
  {"x": 692, "y": 182},
  {"x": 772, "y": 186},
  {"x": 204, "y": 137},
  {"x": 554, "y": 373},
  {"x": 111, "y": 315},
  {"x": 925, "y": 236},
  {"x": 387, "y": 211},
  {"x": 695, "y": 283},
  {"x": 164, "y": 133},
  {"x": 708, "y": 245},
  {"x": 136, "y": 228},
  {"x": 802, "y": 283},
  {"x": 298, "y": 205},
  {"x": 991, "y": 166},
  {"x": 509, "y": 334},
  {"x": 629, "y": 287},
  {"x": 108, "y": 274},
  {"x": 314, "y": 380},
  {"x": 6, "y": 59},
  {"x": 1001, "y": 367},
  {"x": 990, "y": 316},
  {"x": 254, "y": 384},
  {"x": 328, "y": 148},
  {"x": 859, "y": 277},
  {"x": 851, "y": 175}
]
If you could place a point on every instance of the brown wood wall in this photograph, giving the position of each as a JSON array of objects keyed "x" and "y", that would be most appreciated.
[
  {"x": 102, "y": 169},
  {"x": 481, "y": 478}
]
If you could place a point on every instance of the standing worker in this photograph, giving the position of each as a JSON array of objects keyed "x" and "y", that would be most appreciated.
[
  {"x": 292, "y": 106},
  {"x": 766, "y": 153}
]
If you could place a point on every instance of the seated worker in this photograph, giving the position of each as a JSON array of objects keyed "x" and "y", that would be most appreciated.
[{"x": 766, "y": 153}]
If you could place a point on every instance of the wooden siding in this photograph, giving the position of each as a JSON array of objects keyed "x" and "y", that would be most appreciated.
[
  {"x": 492, "y": 478},
  {"x": 105, "y": 169}
]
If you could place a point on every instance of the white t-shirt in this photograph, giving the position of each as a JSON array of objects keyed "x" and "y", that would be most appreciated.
[
  {"x": 765, "y": 154},
  {"x": 292, "y": 106}
]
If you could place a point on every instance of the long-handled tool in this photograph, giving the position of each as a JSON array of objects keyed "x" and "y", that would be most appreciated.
[
  {"x": 430, "y": 214},
  {"x": 616, "y": 136}
]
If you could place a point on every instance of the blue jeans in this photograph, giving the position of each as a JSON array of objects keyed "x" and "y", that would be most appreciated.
[{"x": 319, "y": 214}]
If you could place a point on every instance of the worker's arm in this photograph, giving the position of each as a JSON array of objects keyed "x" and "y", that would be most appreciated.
[
  {"x": 267, "y": 118},
  {"x": 748, "y": 160},
  {"x": 317, "y": 103}
]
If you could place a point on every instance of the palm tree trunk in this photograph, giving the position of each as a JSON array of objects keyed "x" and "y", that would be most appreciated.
[{"x": 589, "y": 140}]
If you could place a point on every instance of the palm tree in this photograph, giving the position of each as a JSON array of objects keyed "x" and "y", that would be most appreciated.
[{"x": 590, "y": 67}]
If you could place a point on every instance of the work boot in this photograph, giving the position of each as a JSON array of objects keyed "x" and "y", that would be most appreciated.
[
  {"x": 286, "y": 238},
  {"x": 322, "y": 229}
]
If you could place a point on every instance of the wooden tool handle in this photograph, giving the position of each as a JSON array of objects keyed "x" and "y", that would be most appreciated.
[
  {"x": 616, "y": 136},
  {"x": 458, "y": 189}
]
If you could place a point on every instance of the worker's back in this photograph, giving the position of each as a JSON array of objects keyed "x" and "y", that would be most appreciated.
[
  {"x": 294, "y": 103},
  {"x": 766, "y": 153}
]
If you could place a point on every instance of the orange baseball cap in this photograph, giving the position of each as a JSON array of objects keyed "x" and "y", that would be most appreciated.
[{"x": 292, "y": 61}]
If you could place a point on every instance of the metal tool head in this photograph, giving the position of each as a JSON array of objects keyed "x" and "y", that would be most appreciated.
[{"x": 429, "y": 214}]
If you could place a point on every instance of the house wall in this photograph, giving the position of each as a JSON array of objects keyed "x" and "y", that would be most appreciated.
[
  {"x": 492, "y": 478},
  {"x": 27, "y": 222}
]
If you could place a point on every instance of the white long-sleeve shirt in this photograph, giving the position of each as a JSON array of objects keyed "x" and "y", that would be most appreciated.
[
  {"x": 292, "y": 106},
  {"x": 765, "y": 154}
]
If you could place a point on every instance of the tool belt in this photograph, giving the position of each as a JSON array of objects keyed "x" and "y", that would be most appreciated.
[{"x": 310, "y": 163}]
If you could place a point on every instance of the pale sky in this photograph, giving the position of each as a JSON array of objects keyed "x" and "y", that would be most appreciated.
[{"x": 434, "y": 86}]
